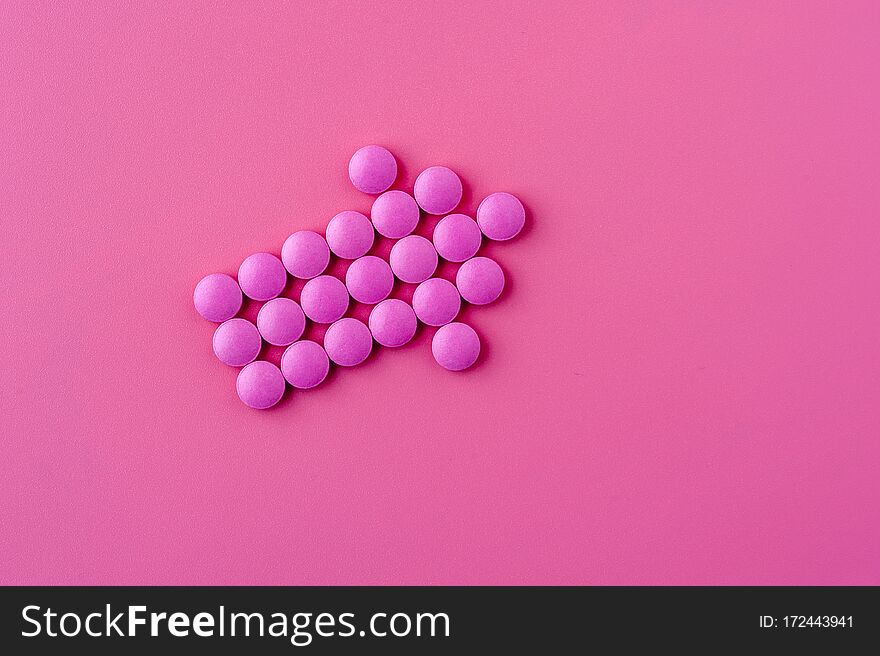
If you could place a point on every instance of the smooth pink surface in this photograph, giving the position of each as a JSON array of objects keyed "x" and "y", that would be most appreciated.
[
  {"x": 394, "y": 214},
  {"x": 438, "y": 190},
  {"x": 305, "y": 254},
  {"x": 262, "y": 276},
  {"x": 372, "y": 169},
  {"x": 217, "y": 297},
  {"x": 324, "y": 299},
  {"x": 679, "y": 384}
]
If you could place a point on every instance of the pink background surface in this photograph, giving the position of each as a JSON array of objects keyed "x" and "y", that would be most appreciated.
[{"x": 681, "y": 384}]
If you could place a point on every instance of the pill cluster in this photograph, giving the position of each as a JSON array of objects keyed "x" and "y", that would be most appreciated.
[{"x": 325, "y": 299}]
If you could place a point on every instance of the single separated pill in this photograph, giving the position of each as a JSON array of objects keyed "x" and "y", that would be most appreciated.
[
  {"x": 281, "y": 321},
  {"x": 501, "y": 216},
  {"x": 350, "y": 235},
  {"x": 217, "y": 297},
  {"x": 260, "y": 385},
  {"x": 457, "y": 237},
  {"x": 305, "y": 254},
  {"x": 324, "y": 299},
  {"x": 395, "y": 214},
  {"x": 437, "y": 190},
  {"x": 237, "y": 342},
  {"x": 393, "y": 322},
  {"x": 413, "y": 259},
  {"x": 348, "y": 342},
  {"x": 372, "y": 169},
  {"x": 455, "y": 346},
  {"x": 436, "y": 302},
  {"x": 369, "y": 279},
  {"x": 480, "y": 280},
  {"x": 262, "y": 276},
  {"x": 305, "y": 364}
]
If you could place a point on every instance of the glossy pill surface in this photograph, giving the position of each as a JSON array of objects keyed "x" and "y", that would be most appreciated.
[
  {"x": 413, "y": 259},
  {"x": 217, "y": 297},
  {"x": 372, "y": 169},
  {"x": 369, "y": 279},
  {"x": 260, "y": 385},
  {"x": 281, "y": 321},
  {"x": 455, "y": 346},
  {"x": 262, "y": 276},
  {"x": 348, "y": 342},
  {"x": 236, "y": 342},
  {"x": 305, "y": 364},
  {"x": 480, "y": 280},
  {"x": 436, "y": 302},
  {"x": 324, "y": 299},
  {"x": 501, "y": 216},
  {"x": 457, "y": 237},
  {"x": 393, "y": 323},
  {"x": 305, "y": 254},
  {"x": 395, "y": 214},
  {"x": 437, "y": 190},
  {"x": 350, "y": 235}
]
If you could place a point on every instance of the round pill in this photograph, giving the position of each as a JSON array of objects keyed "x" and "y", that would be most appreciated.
[
  {"x": 437, "y": 190},
  {"x": 350, "y": 235},
  {"x": 369, "y": 279},
  {"x": 413, "y": 259},
  {"x": 260, "y": 385},
  {"x": 324, "y": 299},
  {"x": 372, "y": 169},
  {"x": 480, "y": 280},
  {"x": 262, "y": 276},
  {"x": 501, "y": 216},
  {"x": 393, "y": 323},
  {"x": 217, "y": 297},
  {"x": 457, "y": 237},
  {"x": 281, "y": 321},
  {"x": 436, "y": 302},
  {"x": 237, "y": 342},
  {"x": 395, "y": 214},
  {"x": 348, "y": 342},
  {"x": 305, "y": 254},
  {"x": 305, "y": 364},
  {"x": 455, "y": 346}
]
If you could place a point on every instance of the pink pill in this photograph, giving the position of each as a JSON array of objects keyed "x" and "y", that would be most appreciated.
[
  {"x": 393, "y": 323},
  {"x": 480, "y": 280},
  {"x": 260, "y": 385},
  {"x": 324, "y": 299},
  {"x": 455, "y": 346},
  {"x": 262, "y": 276},
  {"x": 395, "y": 214},
  {"x": 501, "y": 216},
  {"x": 413, "y": 259},
  {"x": 372, "y": 169},
  {"x": 348, "y": 342},
  {"x": 305, "y": 254},
  {"x": 350, "y": 235},
  {"x": 369, "y": 279},
  {"x": 436, "y": 302},
  {"x": 281, "y": 321},
  {"x": 437, "y": 190},
  {"x": 237, "y": 342},
  {"x": 217, "y": 297},
  {"x": 457, "y": 238},
  {"x": 305, "y": 364}
]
